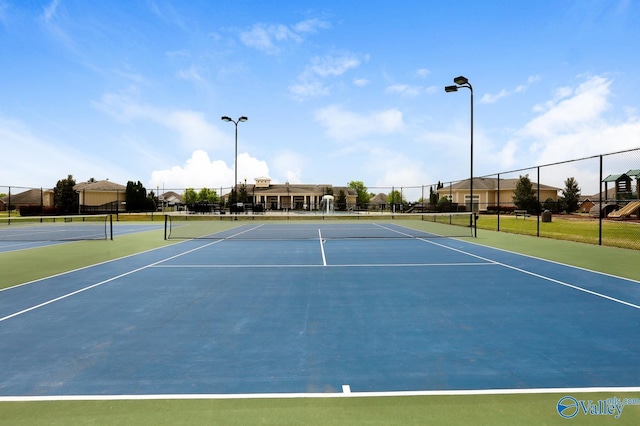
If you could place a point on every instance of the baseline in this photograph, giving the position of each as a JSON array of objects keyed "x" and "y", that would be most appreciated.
[{"x": 344, "y": 394}]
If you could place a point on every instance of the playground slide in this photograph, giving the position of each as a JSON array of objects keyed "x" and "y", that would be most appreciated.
[{"x": 627, "y": 210}]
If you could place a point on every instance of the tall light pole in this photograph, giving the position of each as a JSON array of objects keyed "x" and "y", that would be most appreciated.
[
  {"x": 234, "y": 189},
  {"x": 461, "y": 82}
]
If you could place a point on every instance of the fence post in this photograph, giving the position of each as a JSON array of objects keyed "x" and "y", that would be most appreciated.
[
  {"x": 539, "y": 206},
  {"x": 600, "y": 204},
  {"x": 498, "y": 202}
]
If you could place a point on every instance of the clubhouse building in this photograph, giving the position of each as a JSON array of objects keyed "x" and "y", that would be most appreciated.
[{"x": 288, "y": 196}]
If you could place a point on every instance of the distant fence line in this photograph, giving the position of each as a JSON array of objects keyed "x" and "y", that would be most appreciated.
[{"x": 609, "y": 185}]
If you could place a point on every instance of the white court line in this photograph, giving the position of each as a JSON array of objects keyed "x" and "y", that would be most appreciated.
[
  {"x": 73, "y": 293},
  {"x": 524, "y": 271},
  {"x": 324, "y": 258},
  {"x": 346, "y": 265},
  {"x": 553, "y": 280},
  {"x": 342, "y": 394}
]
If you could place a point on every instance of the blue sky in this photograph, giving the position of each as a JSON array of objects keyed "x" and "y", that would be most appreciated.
[{"x": 334, "y": 90}]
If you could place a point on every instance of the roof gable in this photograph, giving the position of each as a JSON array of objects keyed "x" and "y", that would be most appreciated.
[
  {"x": 491, "y": 184},
  {"x": 101, "y": 185},
  {"x": 30, "y": 196}
]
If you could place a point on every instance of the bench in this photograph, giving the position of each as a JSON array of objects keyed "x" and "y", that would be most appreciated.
[{"x": 522, "y": 213}]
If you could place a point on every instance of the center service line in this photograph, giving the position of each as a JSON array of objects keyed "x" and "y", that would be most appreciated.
[{"x": 324, "y": 258}]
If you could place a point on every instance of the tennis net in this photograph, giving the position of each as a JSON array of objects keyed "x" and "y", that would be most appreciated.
[
  {"x": 301, "y": 226},
  {"x": 56, "y": 228}
]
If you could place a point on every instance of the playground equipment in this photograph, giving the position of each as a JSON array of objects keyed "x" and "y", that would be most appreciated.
[{"x": 628, "y": 210}]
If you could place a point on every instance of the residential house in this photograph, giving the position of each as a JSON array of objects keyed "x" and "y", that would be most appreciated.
[
  {"x": 491, "y": 192},
  {"x": 170, "y": 200},
  {"x": 101, "y": 196},
  {"x": 378, "y": 202},
  {"x": 29, "y": 198}
]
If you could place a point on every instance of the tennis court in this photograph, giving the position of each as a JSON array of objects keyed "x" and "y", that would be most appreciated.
[{"x": 318, "y": 308}]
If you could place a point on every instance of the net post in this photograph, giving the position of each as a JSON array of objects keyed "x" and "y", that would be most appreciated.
[
  {"x": 474, "y": 231},
  {"x": 166, "y": 218},
  {"x": 111, "y": 226}
]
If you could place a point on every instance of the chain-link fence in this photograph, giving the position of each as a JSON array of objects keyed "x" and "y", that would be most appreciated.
[
  {"x": 26, "y": 201},
  {"x": 593, "y": 200}
]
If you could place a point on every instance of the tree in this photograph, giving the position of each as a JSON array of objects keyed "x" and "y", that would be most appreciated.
[
  {"x": 189, "y": 196},
  {"x": 207, "y": 195},
  {"x": 525, "y": 197},
  {"x": 395, "y": 198},
  {"x": 242, "y": 194},
  {"x": 137, "y": 200},
  {"x": 65, "y": 198},
  {"x": 341, "y": 201},
  {"x": 444, "y": 205},
  {"x": 571, "y": 194},
  {"x": 433, "y": 196},
  {"x": 363, "y": 197},
  {"x": 152, "y": 201},
  {"x": 552, "y": 206}
]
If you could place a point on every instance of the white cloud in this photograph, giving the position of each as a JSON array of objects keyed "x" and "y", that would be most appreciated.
[
  {"x": 268, "y": 38},
  {"x": 574, "y": 111},
  {"x": 289, "y": 166},
  {"x": 193, "y": 129},
  {"x": 361, "y": 82},
  {"x": 200, "y": 171},
  {"x": 490, "y": 98},
  {"x": 405, "y": 90},
  {"x": 191, "y": 74},
  {"x": 572, "y": 125},
  {"x": 49, "y": 11},
  {"x": 30, "y": 160},
  {"x": 311, "y": 80},
  {"x": 308, "y": 89},
  {"x": 423, "y": 73},
  {"x": 333, "y": 65},
  {"x": 52, "y": 20},
  {"x": 272, "y": 38},
  {"x": 341, "y": 124},
  {"x": 400, "y": 171},
  {"x": 311, "y": 25}
]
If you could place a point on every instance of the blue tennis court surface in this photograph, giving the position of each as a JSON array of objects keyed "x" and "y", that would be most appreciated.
[
  {"x": 26, "y": 237},
  {"x": 236, "y": 316}
]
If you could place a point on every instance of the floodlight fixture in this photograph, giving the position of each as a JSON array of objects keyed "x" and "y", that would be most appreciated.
[
  {"x": 450, "y": 89},
  {"x": 225, "y": 118},
  {"x": 460, "y": 80}
]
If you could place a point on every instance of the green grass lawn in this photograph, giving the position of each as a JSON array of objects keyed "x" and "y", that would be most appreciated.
[
  {"x": 625, "y": 234},
  {"x": 533, "y": 409}
]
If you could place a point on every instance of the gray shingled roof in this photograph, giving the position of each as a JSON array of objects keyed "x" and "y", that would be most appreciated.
[
  {"x": 30, "y": 196},
  {"x": 492, "y": 184},
  {"x": 101, "y": 185}
]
